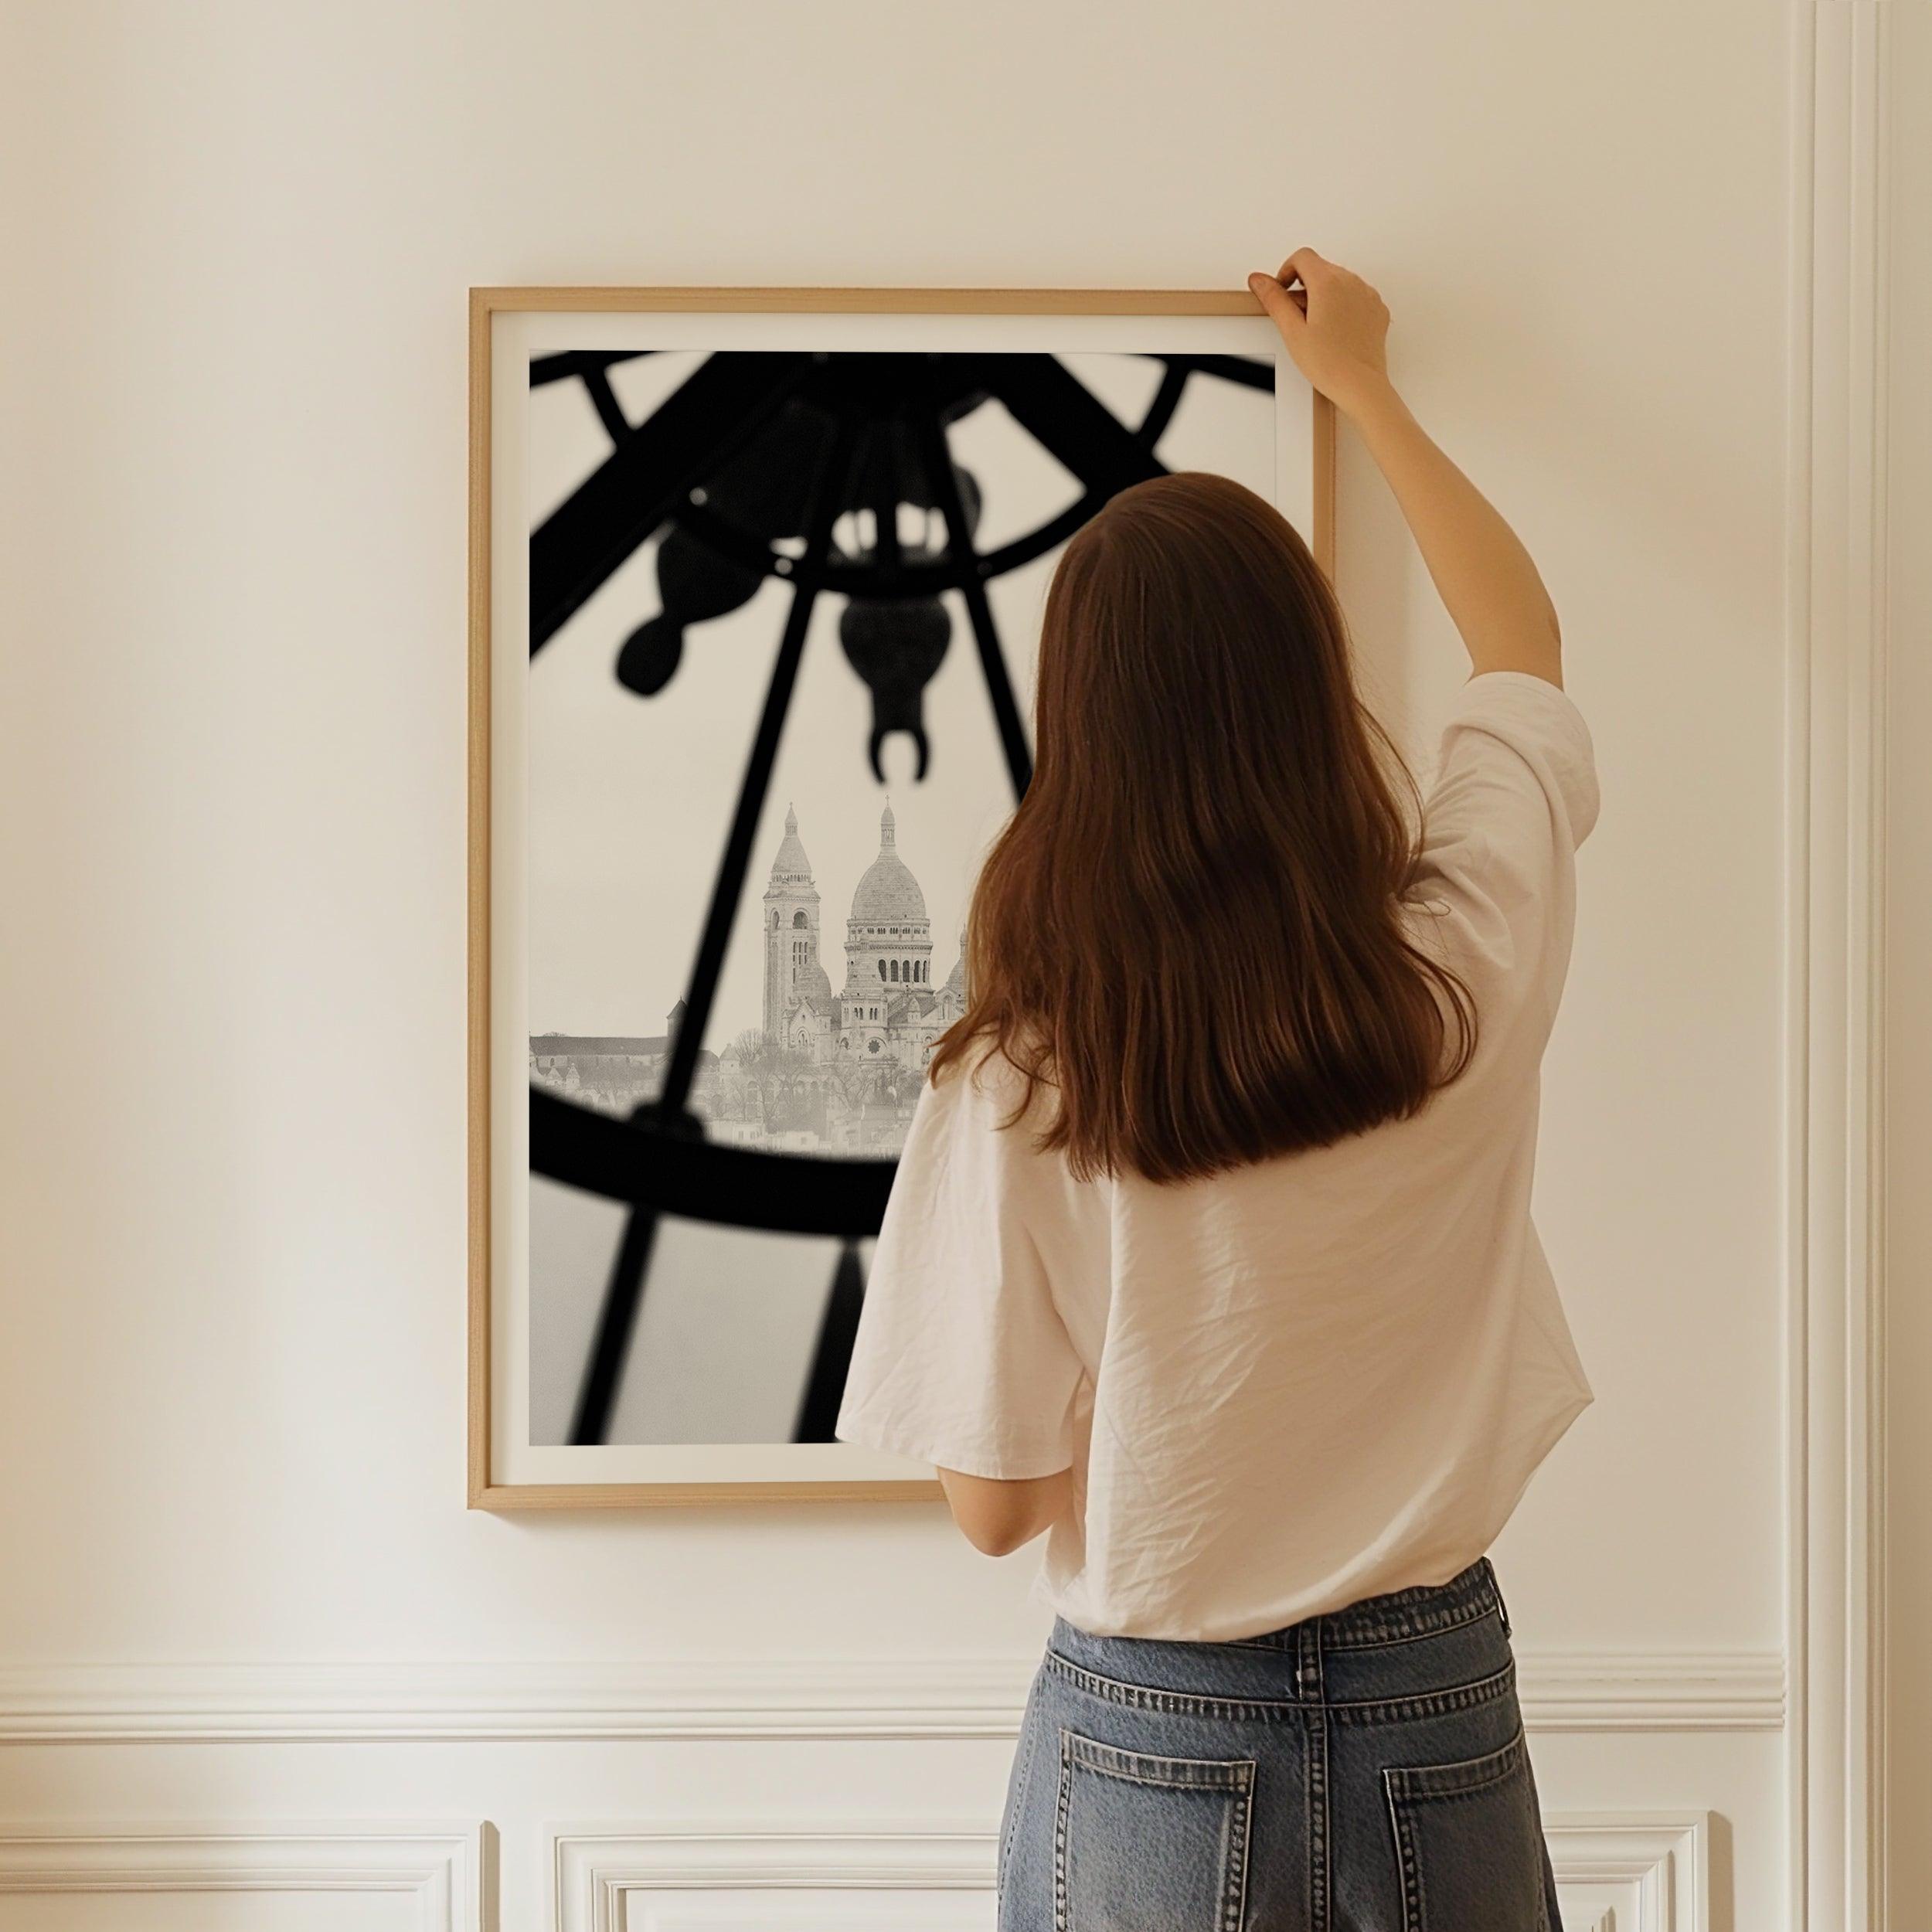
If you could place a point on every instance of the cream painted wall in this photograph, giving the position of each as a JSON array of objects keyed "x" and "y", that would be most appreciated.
[{"x": 232, "y": 1213}]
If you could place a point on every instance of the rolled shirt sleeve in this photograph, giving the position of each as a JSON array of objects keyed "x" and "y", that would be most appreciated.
[
  {"x": 1550, "y": 782},
  {"x": 1514, "y": 795}
]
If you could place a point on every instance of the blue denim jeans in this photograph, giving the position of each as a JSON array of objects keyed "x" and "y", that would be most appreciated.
[{"x": 1364, "y": 1771}]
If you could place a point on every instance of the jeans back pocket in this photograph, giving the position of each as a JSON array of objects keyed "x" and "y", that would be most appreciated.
[
  {"x": 1148, "y": 1844},
  {"x": 1469, "y": 1842}
]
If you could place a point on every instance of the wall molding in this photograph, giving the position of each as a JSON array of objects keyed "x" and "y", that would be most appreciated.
[
  {"x": 1618, "y": 1871},
  {"x": 593, "y": 1868},
  {"x": 440, "y": 1866},
  {"x": 1835, "y": 1272},
  {"x": 1643, "y": 1870},
  {"x": 925, "y": 1697}
]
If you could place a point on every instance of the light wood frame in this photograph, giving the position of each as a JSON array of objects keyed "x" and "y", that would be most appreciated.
[{"x": 485, "y": 303}]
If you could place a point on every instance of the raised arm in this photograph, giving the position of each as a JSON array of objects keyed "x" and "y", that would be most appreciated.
[{"x": 1335, "y": 325}]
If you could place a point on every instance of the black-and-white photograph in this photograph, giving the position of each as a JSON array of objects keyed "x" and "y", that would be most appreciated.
[{"x": 783, "y": 606}]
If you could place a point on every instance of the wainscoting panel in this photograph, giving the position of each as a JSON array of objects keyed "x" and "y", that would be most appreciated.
[
  {"x": 1616, "y": 1872},
  {"x": 386, "y": 1878},
  {"x": 1649, "y": 1870},
  {"x": 609, "y": 1878}
]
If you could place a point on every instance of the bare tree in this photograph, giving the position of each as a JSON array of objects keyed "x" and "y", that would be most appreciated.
[
  {"x": 774, "y": 1070},
  {"x": 855, "y": 1080},
  {"x": 899, "y": 1084}
]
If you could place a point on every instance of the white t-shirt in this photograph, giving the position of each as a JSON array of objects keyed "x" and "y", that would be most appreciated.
[{"x": 1300, "y": 1382}]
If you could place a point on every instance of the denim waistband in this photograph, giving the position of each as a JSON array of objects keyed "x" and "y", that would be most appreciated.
[{"x": 1399, "y": 1614}]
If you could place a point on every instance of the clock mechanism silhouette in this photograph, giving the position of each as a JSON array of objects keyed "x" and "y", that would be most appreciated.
[{"x": 832, "y": 472}]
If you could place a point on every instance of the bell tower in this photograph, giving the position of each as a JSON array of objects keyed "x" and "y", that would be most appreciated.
[{"x": 791, "y": 927}]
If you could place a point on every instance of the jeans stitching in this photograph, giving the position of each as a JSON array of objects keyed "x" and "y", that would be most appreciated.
[
  {"x": 1022, "y": 1773},
  {"x": 1060, "y": 1910},
  {"x": 1459, "y": 1697},
  {"x": 1422, "y": 1610},
  {"x": 1382, "y": 1638},
  {"x": 1175, "y": 1703},
  {"x": 1309, "y": 1684},
  {"x": 1406, "y": 1787},
  {"x": 1395, "y": 1615},
  {"x": 1157, "y": 1783},
  {"x": 1239, "y": 1785},
  {"x": 1472, "y": 1775},
  {"x": 1234, "y": 1879},
  {"x": 1106, "y": 1761},
  {"x": 1318, "y": 1819},
  {"x": 1406, "y": 1861},
  {"x": 1388, "y": 1642}
]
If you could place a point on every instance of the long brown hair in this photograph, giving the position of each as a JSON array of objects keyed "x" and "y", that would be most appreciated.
[{"x": 1189, "y": 931}]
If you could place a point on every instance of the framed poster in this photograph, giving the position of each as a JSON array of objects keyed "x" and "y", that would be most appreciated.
[{"x": 756, "y": 577}]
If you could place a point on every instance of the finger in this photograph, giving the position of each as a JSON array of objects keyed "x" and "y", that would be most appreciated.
[
  {"x": 1284, "y": 309},
  {"x": 1267, "y": 288},
  {"x": 1305, "y": 263}
]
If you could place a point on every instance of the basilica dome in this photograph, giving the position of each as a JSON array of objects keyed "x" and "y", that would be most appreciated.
[{"x": 888, "y": 894}]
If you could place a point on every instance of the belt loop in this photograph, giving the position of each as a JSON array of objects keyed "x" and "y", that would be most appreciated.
[
  {"x": 1502, "y": 1609},
  {"x": 1307, "y": 1666}
]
